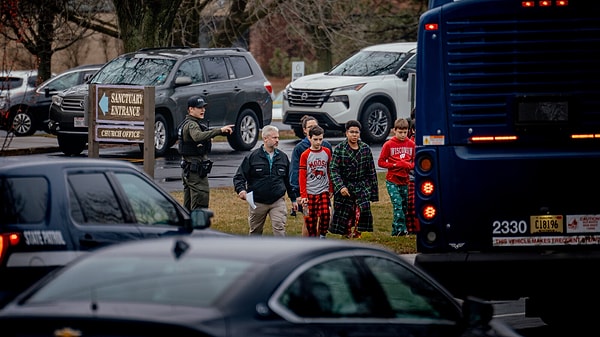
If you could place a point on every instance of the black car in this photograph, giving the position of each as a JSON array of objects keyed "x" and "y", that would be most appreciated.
[
  {"x": 228, "y": 79},
  {"x": 52, "y": 211},
  {"x": 25, "y": 112},
  {"x": 244, "y": 286}
]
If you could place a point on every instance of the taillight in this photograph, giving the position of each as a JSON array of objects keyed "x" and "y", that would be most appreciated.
[
  {"x": 428, "y": 212},
  {"x": 427, "y": 187},
  {"x": 269, "y": 87},
  {"x": 7, "y": 240}
]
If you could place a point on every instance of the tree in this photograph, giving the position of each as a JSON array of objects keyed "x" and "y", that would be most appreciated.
[
  {"x": 146, "y": 23},
  {"x": 328, "y": 30},
  {"x": 44, "y": 27}
]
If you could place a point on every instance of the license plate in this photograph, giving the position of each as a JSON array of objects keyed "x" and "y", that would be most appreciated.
[
  {"x": 79, "y": 122},
  {"x": 546, "y": 224}
]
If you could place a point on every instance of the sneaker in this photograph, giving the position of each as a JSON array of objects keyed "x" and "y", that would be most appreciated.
[{"x": 321, "y": 236}]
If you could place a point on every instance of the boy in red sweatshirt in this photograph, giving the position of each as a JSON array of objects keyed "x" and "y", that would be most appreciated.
[{"x": 397, "y": 156}]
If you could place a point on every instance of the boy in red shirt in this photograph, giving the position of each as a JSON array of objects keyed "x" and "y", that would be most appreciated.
[
  {"x": 315, "y": 185},
  {"x": 397, "y": 156}
]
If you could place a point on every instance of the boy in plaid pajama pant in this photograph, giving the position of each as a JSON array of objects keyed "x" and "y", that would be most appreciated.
[{"x": 315, "y": 185}]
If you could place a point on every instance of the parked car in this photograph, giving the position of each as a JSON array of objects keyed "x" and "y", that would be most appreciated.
[
  {"x": 277, "y": 104},
  {"x": 14, "y": 82},
  {"x": 229, "y": 79},
  {"x": 25, "y": 112},
  {"x": 54, "y": 210},
  {"x": 370, "y": 86},
  {"x": 240, "y": 286},
  {"x": 17, "y": 81}
]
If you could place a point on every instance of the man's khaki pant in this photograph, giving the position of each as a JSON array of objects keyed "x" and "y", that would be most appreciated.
[{"x": 277, "y": 211}]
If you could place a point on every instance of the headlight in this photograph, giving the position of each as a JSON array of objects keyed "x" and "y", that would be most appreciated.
[
  {"x": 57, "y": 100},
  {"x": 355, "y": 87}
]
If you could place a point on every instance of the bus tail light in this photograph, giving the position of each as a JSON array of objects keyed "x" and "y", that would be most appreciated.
[
  {"x": 425, "y": 164},
  {"x": 544, "y": 3},
  {"x": 427, "y": 188},
  {"x": 493, "y": 139},
  {"x": 428, "y": 212},
  {"x": 431, "y": 26}
]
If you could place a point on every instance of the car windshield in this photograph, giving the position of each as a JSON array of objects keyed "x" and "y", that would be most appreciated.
[
  {"x": 135, "y": 71},
  {"x": 370, "y": 63},
  {"x": 167, "y": 280}
]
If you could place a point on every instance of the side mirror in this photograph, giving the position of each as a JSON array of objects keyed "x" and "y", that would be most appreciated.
[
  {"x": 477, "y": 313},
  {"x": 183, "y": 80},
  {"x": 201, "y": 218},
  {"x": 403, "y": 74}
]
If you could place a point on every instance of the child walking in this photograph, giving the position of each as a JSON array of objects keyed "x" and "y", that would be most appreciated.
[
  {"x": 315, "y": 185},
  {"x": 397, "y": 156}
]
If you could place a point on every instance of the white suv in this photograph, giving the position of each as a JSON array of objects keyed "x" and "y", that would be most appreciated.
[{"x": 370, "y": 86}]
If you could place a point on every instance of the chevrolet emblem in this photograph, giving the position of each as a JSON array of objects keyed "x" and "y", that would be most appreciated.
[{"x": 67, "y": 332}]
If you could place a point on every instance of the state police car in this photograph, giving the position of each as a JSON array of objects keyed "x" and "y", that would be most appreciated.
[{"x": 53, "y": 210}]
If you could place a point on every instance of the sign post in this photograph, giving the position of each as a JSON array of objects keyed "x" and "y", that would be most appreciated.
[
  {"x": 122, "y": 114},
  {"x": 297, "y": 70}
]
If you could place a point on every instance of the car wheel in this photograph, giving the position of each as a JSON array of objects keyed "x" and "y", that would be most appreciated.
[
  {"x": 161, "y": 136},
  {"x": 22, "y": 123},
  {"x": 245, "y": 131},
  {"x": 299, "y": 132},
  {"x": 71, "y": 145},
  {"x": 376, "y": 123}
]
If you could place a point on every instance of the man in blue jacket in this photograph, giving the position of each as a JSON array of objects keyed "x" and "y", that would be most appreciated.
[{"x": 265, "y": 173}]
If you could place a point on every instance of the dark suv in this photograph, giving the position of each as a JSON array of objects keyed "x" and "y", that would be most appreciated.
[{"x": 229, "y": 79}]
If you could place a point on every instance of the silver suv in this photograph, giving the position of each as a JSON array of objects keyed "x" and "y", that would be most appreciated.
[
  {"x": 229, "y": 79},
  {"x": 370, "y": 86}
]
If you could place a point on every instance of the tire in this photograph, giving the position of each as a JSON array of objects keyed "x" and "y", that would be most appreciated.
[
  {"x": 162, "y": 136},
  {"x": 71, "y": 145},
  {"x": 299, "y": 132},
  {"x": 22, "y": 123},
  {"x": 376, "y": 123},
  {"x": 245, "y": 132}
]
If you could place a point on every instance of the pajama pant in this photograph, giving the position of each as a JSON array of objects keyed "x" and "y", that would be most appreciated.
[
  {"x": 399, "y": 197},
  {"x": 319, "y": 214}
]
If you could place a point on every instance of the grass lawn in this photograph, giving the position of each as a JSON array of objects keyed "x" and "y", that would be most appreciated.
[{"x": 231, "y": 216}]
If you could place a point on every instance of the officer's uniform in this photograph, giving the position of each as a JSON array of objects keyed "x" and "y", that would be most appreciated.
[{"x": 195, "y": 141}]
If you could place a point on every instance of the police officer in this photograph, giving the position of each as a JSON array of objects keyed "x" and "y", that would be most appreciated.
[{"x": 194, "y": 146}]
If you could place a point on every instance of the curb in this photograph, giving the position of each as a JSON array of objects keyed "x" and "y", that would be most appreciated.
[{"x": 28, "y": 151}]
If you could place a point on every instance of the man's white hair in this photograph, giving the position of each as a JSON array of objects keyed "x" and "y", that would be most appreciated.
[{"x": 270, "y": 130}]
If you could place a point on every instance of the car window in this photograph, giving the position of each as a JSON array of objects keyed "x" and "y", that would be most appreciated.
[
  {"x": 93, "y": 200},
  {"x": 412, "y": 63},
  {"x": 337, "y": 289},
  {"x": 240, "y": 66},
  {"x": 215, "y": 68},
  {"x": 192, "y": 69},
  {"x": 32, "y": 81},
  {"x": 23, "y": 200},
  {"x": 149, "y": 205},
  {"x": 332, "y": 289},
  {"x": 63, "y": 82},
  {"x": 408, "y": 295},
  {"x": 7, "y": 83}
]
